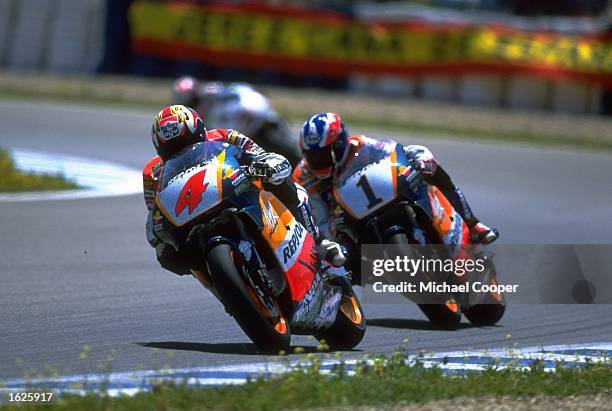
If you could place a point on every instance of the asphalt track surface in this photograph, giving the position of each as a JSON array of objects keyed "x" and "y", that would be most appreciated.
[{"x": 79, "y": 272}]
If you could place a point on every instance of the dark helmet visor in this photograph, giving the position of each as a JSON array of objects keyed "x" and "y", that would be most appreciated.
[{"x": 320, "y": 161}]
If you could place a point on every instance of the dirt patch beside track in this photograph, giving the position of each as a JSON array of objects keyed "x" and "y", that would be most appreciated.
[{"x": 538, "y": 403}]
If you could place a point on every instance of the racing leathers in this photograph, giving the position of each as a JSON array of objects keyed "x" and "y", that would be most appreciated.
[
  {"x": 320, "y": 191},
  {"x": 272, "y": 169}
]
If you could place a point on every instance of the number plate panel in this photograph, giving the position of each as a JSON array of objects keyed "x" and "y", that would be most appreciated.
[
  {"x": 190, "y": 194},
  {"x": 368, "y": 189}
]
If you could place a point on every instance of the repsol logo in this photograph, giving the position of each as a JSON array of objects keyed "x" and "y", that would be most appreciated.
[{"x": 293, "y": 244}]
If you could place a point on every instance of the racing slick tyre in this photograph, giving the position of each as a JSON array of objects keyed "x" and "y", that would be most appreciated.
[
  {"x": 446, "y": 315},
  {"x": 490, "y": 311},
  {"x": 348, "y": 329},
  {"x": 255, "y": 311},
  {"x": 442, "y": 315}
]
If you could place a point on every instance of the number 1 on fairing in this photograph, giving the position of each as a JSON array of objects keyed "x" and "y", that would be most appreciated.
[{"x": 369, "y": 193}]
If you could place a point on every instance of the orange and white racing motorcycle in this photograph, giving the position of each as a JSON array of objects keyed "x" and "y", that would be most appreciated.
[
  {"x": 382, "y": 199},
  {"x": 259, "y": 260}
]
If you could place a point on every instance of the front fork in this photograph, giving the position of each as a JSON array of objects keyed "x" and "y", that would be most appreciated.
[
  {"x": 244, "y": 247},
  {"x": 381, "y": 236},
  {"x": 339, "y": 277}
]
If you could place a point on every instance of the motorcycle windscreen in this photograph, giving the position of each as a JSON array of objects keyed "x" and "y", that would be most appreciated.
[{"x": 367, "y": 182}]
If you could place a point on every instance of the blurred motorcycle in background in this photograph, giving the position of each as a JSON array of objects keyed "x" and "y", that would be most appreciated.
[{"x": 240, "y": 107}]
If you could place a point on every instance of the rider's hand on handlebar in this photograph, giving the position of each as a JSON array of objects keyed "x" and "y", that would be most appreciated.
[
  {"x": 260, "y": 171},
  {"x": 426, "y": 167}
]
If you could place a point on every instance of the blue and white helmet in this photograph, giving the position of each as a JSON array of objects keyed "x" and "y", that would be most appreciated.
[{"x": 323, "y": 141}]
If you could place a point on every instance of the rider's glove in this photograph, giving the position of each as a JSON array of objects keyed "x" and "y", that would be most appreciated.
[
  {"x": 331, "y": 252},
  {"x": 260, "y": 171},
  {"x": 426, "y": 167}
]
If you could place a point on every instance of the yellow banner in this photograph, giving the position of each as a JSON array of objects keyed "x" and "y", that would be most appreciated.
[{"x": 336, "y": 45}]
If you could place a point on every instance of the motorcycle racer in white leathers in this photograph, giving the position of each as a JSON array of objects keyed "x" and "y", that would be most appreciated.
[
  {"x": 240, "y": 107},
  {"x": 324, "y": 141}
]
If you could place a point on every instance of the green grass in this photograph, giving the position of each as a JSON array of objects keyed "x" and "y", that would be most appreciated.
[
  {"x": 383, "y": 381},
  {"x": 13, "y": 180}
]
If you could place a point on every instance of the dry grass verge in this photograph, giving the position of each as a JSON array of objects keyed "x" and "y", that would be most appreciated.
[{"x": 587, "y": 131}]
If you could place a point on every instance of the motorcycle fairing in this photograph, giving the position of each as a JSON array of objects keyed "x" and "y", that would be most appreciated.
[
  {"x": 196, "y": 190},
  {"x": 217, "y": 176},
  {"x": 190, "y": 195},
  {"x": 445, "y": 220},
  {"x": 291, "y": 243},
  {"x": 357, "y": 177},
  {"x": 392, "y": 176},
  {"x": 318, "y": 308},
  {"x": 315, "y": 304}
]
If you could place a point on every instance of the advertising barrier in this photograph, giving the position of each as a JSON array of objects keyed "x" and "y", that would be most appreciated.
[{"x": 308, "y": 41}]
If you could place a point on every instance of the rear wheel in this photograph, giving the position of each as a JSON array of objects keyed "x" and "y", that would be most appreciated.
[
  {"x": 490, "y": 311},
  {"x": 349, "y": 327},
  {"x": 446, "y": 315},
  {"x": 256, "y": 311}
]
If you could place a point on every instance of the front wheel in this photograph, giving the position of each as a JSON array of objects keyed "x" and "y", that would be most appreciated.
[
  {"x": 256, "y": 312},
  {"x": 447, "y": 315},
  {"x": 349, "y": 327},
  {"x": 489, "y": 311},
  {"x": 443, "y": 315}
]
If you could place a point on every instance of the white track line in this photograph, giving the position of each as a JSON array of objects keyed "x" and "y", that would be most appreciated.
[
  {"x": 98, "y": 178},
  {"x": 452, "y": 363}
]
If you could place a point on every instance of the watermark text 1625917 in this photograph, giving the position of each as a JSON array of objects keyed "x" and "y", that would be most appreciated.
[{"x": 30, "y": 396}]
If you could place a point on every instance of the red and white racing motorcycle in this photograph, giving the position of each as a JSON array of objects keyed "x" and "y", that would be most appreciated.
[{"x": 259, "y": 260}]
